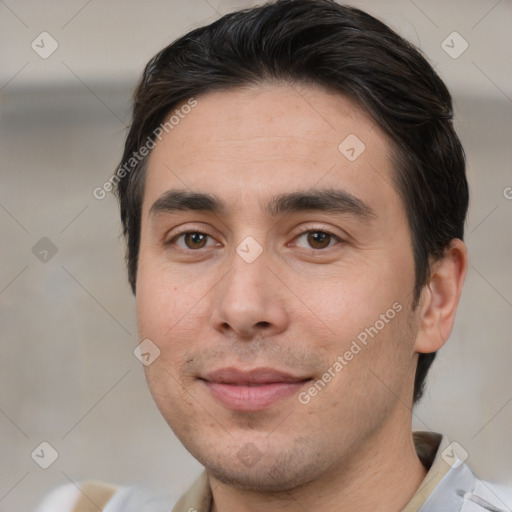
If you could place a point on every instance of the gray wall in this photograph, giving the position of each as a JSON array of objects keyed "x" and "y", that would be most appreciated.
[{"x": 67, "y": 372}]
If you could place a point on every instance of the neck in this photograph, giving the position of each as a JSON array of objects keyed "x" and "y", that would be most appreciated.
[{"x": 382, "y": 476}]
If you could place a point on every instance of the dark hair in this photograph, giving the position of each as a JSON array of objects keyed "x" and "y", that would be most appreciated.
[{"x": 343, "y": 49}]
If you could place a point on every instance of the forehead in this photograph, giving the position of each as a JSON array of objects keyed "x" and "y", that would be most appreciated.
[{"x": 249, "y": 142}]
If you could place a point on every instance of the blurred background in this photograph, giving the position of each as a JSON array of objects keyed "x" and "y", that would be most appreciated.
[{"x": 68, "y": 376}]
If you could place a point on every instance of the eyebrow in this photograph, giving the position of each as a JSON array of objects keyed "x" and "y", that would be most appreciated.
[{"x": 328, "y": 200}]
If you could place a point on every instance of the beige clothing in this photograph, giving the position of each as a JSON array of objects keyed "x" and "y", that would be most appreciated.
[{"x": 449, "y": 486}]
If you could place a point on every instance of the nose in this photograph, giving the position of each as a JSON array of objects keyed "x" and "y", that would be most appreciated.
[{"x": 249, "y": 300}]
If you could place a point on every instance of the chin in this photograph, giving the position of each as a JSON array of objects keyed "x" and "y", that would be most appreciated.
[
  {"x": 269, "y": 472},
  {"x": 270, "y": 479}
]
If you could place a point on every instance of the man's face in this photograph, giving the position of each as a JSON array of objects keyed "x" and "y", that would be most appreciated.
[{"x": 285, "y": 328}]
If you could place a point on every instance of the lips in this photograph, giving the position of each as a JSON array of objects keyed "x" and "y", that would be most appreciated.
[{"x": 252, "y": 390}]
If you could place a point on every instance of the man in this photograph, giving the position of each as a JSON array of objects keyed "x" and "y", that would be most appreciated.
[{"x": 293, "y": 196}]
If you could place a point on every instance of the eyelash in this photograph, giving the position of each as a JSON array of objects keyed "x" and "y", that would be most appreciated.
[{"x": 299, "y": 235}]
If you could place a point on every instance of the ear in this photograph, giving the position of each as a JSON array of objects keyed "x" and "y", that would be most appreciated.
[{"x": 440, "y": 297}]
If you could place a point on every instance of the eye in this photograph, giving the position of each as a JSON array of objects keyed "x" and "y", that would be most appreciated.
[
  {"x": 318, "y": 239},
  {"x": 192, "y": 240}
]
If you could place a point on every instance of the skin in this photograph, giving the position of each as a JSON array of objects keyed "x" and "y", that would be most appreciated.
[{"x": 296, "y": 307}]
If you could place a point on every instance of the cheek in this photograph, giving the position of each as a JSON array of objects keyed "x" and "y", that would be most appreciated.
[
  {"x": 165, "y": 315},
  {"x": 347, "y": 299},
  {"x": 163, "y": 296},
  {"x": 170, "y": 312},
  {"x": 154, "y": 303}
]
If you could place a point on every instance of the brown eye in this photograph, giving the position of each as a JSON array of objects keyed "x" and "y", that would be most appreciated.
[
  {"x": 319, "y": 239},
  {"x": 195, "y": 240},
  {"x": 192, "y": 241}
]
